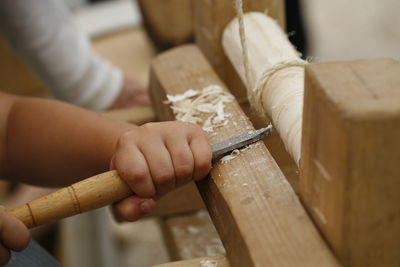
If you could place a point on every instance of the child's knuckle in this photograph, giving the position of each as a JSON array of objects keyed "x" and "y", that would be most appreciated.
[
  {"x": 125, "y": 139},
  {"x": 183, "y": 156},
  {"x": 193, "y": 127},
  {"x": 134, "y": 175},
  {"x": 184, "y": 171},
  {"x": 163, "y": 179},
  {"x": 204, "y": 164},
  {"x": 150, "y": 126},
  {"x": 139, "y": 175}
]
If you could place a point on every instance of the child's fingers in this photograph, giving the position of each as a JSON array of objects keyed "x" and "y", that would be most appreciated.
[
  {"x": 202, "y": 155},
  {"x": 133, "y": 169},
  {"x": 182, "y": 160},
  {"x": 160, "y": 164},
  {"x": 13, "y": 233},
  {"x": 133, "y": 208},
  {"x": 4, "y": 255}
]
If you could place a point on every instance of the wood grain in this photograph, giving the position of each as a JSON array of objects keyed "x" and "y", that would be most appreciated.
[
  {"x": 256, "y": 213},
  {"x": 191, "y": 235},
  {"x": 350, "y": 168},
  {"x": 182, "y": 200},
  {"x": 210, "y": 20},
  {"x": 135, "y": 115},
  {"x": 169, "y": 22},
  {"x": 219, "y": 261},
  {"x": 15, "y": 76},
  {"x": 91, "y": 193}
]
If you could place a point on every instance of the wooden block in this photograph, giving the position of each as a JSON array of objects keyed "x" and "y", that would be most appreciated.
[
  {"x": 350, "y": 158},
  {"x": 210, "y": 20},
  {"x": 130, "y": 50},
  {"x": 215, "y": 261},
  {"x": 136, "y": 115},
  {"x": 255, "y": 211},
  {"x": 182, "y": 200},
  {"x": 169, "y": 22},
  {"x": 15, "y": 76},
  {"x": 276, "y": 147},
  {"x": 191, "y": 235}
]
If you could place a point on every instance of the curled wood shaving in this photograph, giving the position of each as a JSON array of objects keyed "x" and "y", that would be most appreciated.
[
  {"x": 236, "y": 153},
  {"x": 208, "y": 263},
  {"x": 204, "y": 107},
  {"x": 231, "y": 156}
]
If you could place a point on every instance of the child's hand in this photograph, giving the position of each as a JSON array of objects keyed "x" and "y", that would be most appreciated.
[
  {"x": 155, "y": 158},
  {"x": 13, "y": 235}
]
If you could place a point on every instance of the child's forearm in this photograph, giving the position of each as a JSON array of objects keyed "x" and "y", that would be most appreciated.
[{"x": 52, "y": 143}]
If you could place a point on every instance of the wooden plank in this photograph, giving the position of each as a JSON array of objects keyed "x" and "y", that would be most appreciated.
[
  {"x": 215, "y": 261},
  {"x": 210, "y": 20},
  {"x": 276, "y": 147},
  {"x": 191, "y": 235},
  {"x": 15, "y": 76},
  {"x": 350, "y": 158},
  {"x": 169, "y": 22},
  {"x": 135, "y": 115},
  {"x": 130, "y": 50},
  {"x": 255, "y": 211},
  {"x": 182, "y": 200}
]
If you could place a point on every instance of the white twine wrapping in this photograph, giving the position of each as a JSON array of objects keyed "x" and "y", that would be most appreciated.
[
  {"x": 278, "y": 89},
  {"x": 242, "y": 34},
  {"x": 256, "y": 93}
]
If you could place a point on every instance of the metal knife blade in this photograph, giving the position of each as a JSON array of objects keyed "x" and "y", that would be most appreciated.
[{"x": 224, "y": 147}]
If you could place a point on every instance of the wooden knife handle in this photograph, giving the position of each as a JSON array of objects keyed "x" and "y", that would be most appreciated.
[{"x": 91, "y": 193}]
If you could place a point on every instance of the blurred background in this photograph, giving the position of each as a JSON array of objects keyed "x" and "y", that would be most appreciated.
[{"x": 323, "y": 30}]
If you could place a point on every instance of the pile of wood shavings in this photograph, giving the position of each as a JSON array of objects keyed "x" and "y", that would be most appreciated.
[
  {"x": 193, "y": 105},
  {"x": 208, "y": 263}
]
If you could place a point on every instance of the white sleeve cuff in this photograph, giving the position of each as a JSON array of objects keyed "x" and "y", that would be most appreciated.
[{"x": 45, "y": 36}]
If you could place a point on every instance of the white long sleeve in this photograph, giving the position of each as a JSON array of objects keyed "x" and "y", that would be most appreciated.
[{"x": 44, "y": 35}]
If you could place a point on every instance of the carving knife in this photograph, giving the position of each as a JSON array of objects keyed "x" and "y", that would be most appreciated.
[
  {"x": 106, "y": 188},
  {"x": 225, "y": 147}
]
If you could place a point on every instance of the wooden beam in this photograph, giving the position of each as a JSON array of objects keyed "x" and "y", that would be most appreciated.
[
  {"x": 191, "y": 235},
  {"x": 350, "y": 158},
  {"x": 182, "y": 200},
  {"x": 136, "y": 115},
  {"x": 15, "y": 77},
  {"x": 210, "y": 20},
  {"x": 169, "y": 22},
  {"x": 214, "y": 261},
  {"x": 256, "y": 213}
]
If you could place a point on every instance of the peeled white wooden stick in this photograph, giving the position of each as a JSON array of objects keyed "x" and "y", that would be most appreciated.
[{"x": 278, "y": 74}]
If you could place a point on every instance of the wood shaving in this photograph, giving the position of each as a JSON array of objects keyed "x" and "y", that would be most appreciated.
[
  {"x": 194, "y": 105},
  {"x": 236, "y": 153},
  {"x": 231, "y": 156},
  {"x": 208, "y": 263}
]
